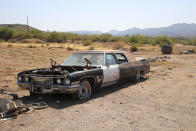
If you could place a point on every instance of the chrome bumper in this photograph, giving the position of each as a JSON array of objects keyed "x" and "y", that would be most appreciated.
[{"x": 54, "y": 88}]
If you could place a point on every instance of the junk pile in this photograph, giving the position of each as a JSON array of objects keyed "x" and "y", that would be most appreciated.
[
  {"x": 189, "y": 51},
  {"x": 166, "y": 49},
  {"x": 159, "y": 59},
  {"x": 10, "y": 109}
]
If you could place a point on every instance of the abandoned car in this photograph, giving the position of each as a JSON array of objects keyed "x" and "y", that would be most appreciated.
[{"x": 84, "y": 71}]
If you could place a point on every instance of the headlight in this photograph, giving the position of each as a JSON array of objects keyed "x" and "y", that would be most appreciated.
[
  {"x": 67, "y": 82},
  {"x": 19, "y": 78},
  {"x": 58, "y": 81},
  {"x": 26, "y": 79}
]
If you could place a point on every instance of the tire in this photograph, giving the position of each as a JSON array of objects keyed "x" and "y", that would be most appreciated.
[
  {"x": 32, "y": 94},
  {"x": 84, "y": 92},
  {"x": 137, "y": 77}
]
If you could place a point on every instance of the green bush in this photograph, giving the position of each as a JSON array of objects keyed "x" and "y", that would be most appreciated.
[
  {"x": 91, "y": 48},
  {"x": 105, "y": 38},
  {"x": 6, "y": 33},
  {"x": 162, "y": 40},
  {"x": 134, "y": 48},
  {"x": 134, "y": 39},
  {"x": 54, "y": 37},
  {"x": 193, "y": 42},
  {"x": 87, "y": 43}
]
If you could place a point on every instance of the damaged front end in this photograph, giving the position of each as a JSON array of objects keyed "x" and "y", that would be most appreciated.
[
  {"x": 57, "y": 79},
  {"x": 47, "y": 80}
]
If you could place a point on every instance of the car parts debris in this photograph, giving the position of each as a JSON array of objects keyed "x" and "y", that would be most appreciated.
[
  {"x": 159, "y": 59},
  {"x": 10, "y": 109},
  {"x": 166, "y": 49}
]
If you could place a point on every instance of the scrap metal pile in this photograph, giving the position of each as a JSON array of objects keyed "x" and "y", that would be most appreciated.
[
  {"x": 159, "y": 59},
  {"x": 10, "y": 109}
]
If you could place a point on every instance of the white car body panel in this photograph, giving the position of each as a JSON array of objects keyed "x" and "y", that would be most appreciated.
[{"x": 111, "y": 74}]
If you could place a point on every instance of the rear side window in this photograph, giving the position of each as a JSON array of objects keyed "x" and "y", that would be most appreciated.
[
  {"x": 110, "y": 59},
  {"x": 121, "y": 58}
]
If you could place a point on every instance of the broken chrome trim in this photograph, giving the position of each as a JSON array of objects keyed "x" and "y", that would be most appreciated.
[
  {"x": 54, "y": 88},
  {"x": 23, "y": 85}
]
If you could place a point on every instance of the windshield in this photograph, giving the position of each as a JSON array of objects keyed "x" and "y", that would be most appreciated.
[{"x": 78, "y": 59}]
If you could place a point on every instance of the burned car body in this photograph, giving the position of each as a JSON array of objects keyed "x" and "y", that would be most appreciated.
[{"x": 84, "y": 71}]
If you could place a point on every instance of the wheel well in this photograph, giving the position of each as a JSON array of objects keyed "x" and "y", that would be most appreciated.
[
  {"x": 91, "y": 80},
  {"x": 142, "y": 73}
]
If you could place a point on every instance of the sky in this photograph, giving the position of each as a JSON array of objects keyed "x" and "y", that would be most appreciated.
[{"x": 103, "y": 15}]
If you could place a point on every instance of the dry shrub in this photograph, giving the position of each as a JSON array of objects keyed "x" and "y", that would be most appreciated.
[
  {"x": 134, "y": 48},
  {"x": 91, "y": 48},
  {"x": 9, "y": 46},
  {"x": 118, "y": 45},
  {"x": 39, "y": 41},
  {"x": 12, "y": 41},
  {"x": 31, "y": 46},
  {"x": 69, "y": 48},
  {"x": 32, "y": 41},
  {"x": 87, "y": 43}
]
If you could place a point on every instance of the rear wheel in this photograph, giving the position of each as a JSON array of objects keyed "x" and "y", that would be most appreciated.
[
  {"x": 84, "y": 92},
  {"x": 137, "y": 77}
]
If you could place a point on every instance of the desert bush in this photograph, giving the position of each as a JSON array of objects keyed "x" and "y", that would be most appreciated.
[
  {"x": 26, "y": 41},
  {"x": 87, "y": 43},
  {"x": 31, "y": 46},
  {"x": 140, "y": 39},
  {"x": 9, "y": 46},
  {"x": 20, "y": 35},
  {"x": 162, "y": 40},
  {"x": 91, "y": 48},
  {"x": 134, "y": 39},
  {"x": 118, "y": 45},
  {"x": 12, "y": 41},
  {"x": 54, "y": 37},
  {"x": 105, "y": 38},
  {"x": 6, "y": 33},
  {"x": 69, "y": 48},
  {"x": 134, "y": 48},
  {"x": 193, "y": 42}
]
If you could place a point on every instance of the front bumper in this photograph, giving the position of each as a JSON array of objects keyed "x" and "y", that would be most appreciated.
[{"x": 53, "y": 88}]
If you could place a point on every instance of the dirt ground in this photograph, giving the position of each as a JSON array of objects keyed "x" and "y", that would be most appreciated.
[{"x": 165, "y": 100}]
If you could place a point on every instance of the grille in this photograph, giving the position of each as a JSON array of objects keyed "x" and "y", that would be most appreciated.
[{"x": 40, "y": 84}]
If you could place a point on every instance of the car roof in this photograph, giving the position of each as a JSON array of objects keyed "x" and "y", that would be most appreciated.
[{"x": 99, "y": 51}]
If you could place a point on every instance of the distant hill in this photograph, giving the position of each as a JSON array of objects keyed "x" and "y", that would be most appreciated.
[
  {"x": 17, "y": 26},
  {"x": 86, "y": 32},
  {"x": 176, "y": 30}
]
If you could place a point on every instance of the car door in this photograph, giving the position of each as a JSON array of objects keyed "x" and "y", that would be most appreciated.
[
  {"x": 110, "y": 70},
  {"x": 127, "y": 70}
]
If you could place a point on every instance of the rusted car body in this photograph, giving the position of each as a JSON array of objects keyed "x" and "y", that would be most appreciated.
[{"x": 84, "y": 71}]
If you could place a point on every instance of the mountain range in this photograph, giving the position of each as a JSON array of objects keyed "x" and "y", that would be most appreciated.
[{"x": 176, "y": 30}]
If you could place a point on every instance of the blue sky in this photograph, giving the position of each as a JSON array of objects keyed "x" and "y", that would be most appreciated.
[{"x": 104, "y": 15}]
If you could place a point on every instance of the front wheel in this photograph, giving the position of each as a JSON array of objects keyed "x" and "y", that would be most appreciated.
[{"x": 84, "y": 92}]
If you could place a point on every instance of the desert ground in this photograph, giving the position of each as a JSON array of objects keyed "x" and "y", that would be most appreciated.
[{"x": 165, "y": 100}]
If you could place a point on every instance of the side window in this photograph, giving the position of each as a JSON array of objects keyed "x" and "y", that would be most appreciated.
[
  {"x": 110, "y": 59},
  {"x": 121, "y": 58}
]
